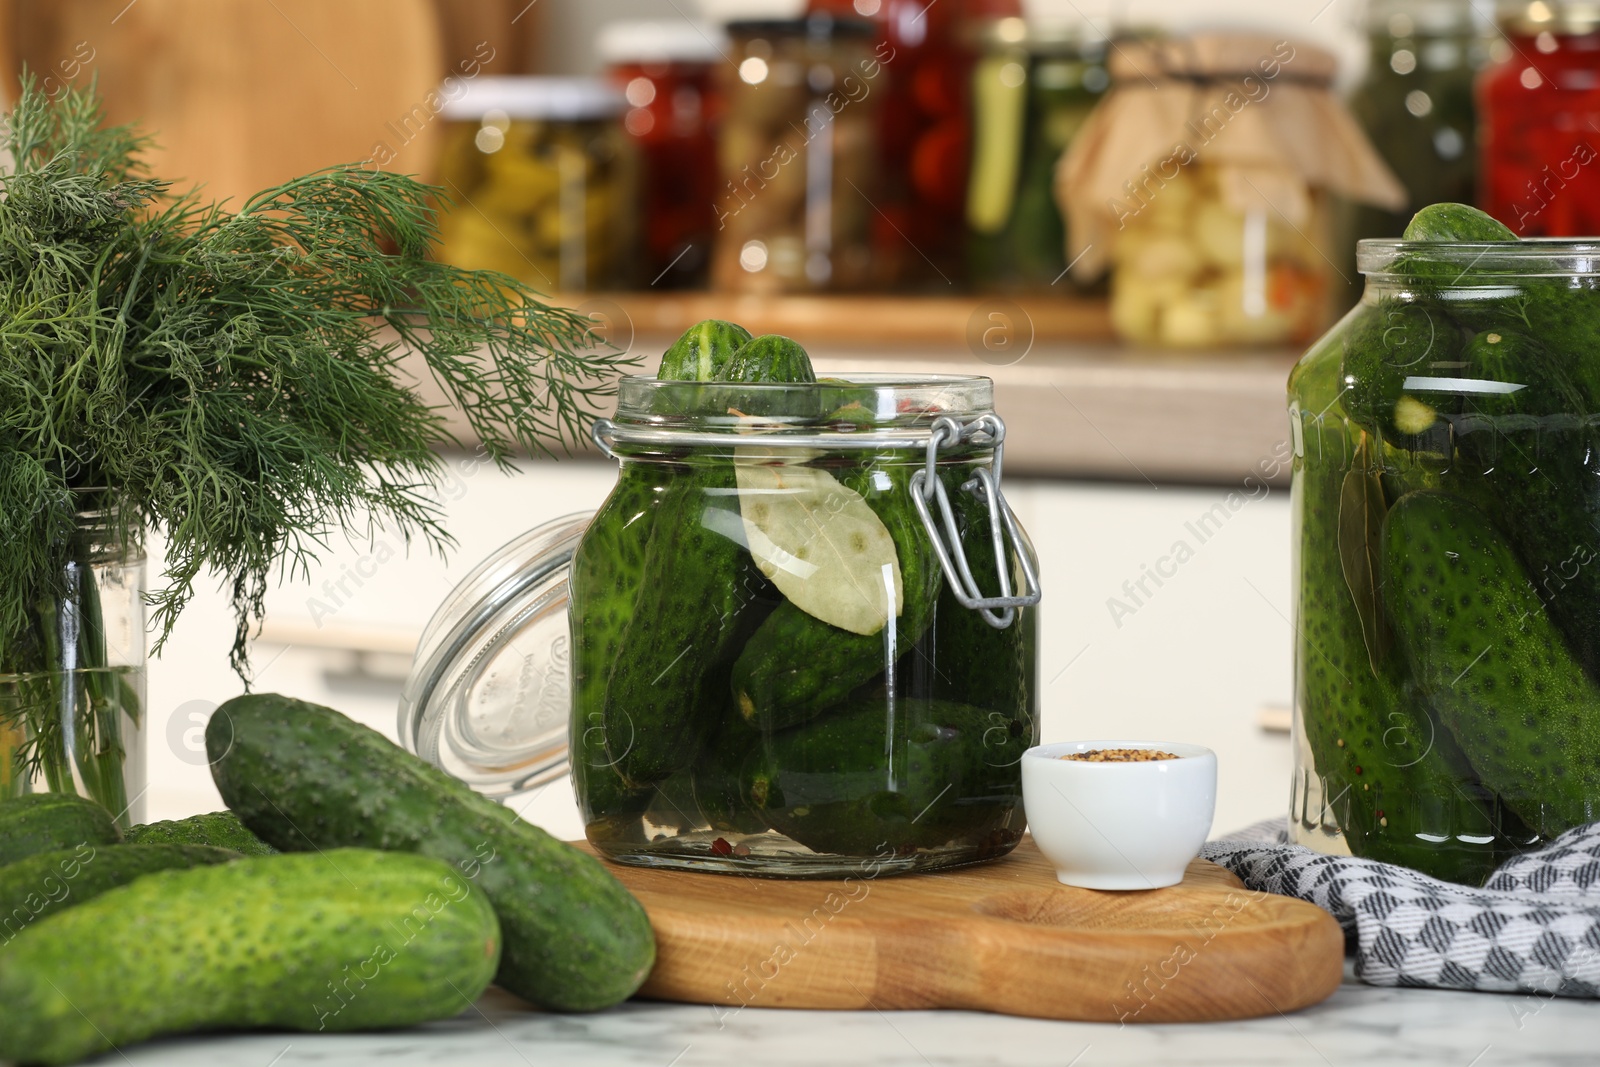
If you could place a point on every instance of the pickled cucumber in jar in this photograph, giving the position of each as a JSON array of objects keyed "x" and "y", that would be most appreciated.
[
  {"x": 770, "y": 673},
  {"x": 1448, "y": 630}
]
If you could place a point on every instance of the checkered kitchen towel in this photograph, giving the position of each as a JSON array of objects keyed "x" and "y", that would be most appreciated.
[{"x": 1534, "y": 928}]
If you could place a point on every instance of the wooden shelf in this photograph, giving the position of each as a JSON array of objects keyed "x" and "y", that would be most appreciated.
[
  {"x": 1077, "y": 403},
  {"x": 1106, "y": 412},
  {"x": 890, "y": 320}
]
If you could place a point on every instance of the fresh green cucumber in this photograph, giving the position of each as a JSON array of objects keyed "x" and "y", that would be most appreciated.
[
  {"x": 347, "y": 939},
  {"x": 48, "y": 882},
  {"x": 1494, "y": 666},
  {"x": 604, "y": 586},
  {"x": 1389, "y": 776},
  {"x": 906, "y": 774},
  {"x": 703, "y": 353},
  {"x": 44, "y": 822},
  {"x": 305, "y": 777},
  {"x": 219, "y": 828},
  {"x": 796, "y": 666}
]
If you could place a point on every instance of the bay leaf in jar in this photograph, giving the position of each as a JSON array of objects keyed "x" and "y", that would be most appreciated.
[{"x": 819, "y": 542}]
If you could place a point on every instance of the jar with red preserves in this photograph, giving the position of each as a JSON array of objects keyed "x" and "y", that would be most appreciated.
[
  {"x": 924, "y": 129},
  {"x": 1540, "y": 116},
  {"x": 664, "y": 69}
]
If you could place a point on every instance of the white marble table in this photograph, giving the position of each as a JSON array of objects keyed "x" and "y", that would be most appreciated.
[{"x": 1358, "y": 1026}]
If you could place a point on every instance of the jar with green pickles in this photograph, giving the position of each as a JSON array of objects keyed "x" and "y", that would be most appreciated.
[
  {"x": 1032, "y": 90},
  {"x": 803, "y": 623},
  {"x": 540, "y": 178},
  {"x": 1446, "y": 452},
  {"x": 1415, "y": 103}
]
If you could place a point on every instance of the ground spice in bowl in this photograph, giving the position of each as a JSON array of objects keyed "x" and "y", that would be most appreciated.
[{"x": 1119, "y": 755}]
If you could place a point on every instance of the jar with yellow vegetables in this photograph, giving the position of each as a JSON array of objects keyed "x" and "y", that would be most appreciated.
[
  {"x": 541, "y": 178},
  {"x": 1199, "y": 268},
  {"x": 1202, "y": 182}
]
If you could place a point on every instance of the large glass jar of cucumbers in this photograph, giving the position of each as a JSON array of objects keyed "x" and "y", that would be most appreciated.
[
  {"x": 803, "y": 623},
  {"x": 1448, "y": 534}
]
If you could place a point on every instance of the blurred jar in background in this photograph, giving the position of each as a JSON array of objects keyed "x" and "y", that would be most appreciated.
[
  {"x": 797, "y": 156},
  {"x": 1202, "y": 182},
  {"x": 1033, "y": 89},
  {"x": 664, "y": 69},
  {"x": 1213, "y": 263},
  {"x": 1540, "y": 108},
  {"x": 1415, "y": 103},
  {"x": 540, "y": 175},
  {"x": 924, "y": 129}
]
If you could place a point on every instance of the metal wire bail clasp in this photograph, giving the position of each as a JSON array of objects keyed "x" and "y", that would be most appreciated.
[
  {"x": 603, "y": 433},
  {"x": 926, "y": 488}
]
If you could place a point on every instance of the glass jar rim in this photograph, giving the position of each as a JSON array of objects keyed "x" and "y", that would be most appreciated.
[
  {"x": 1531, "y": 257},
  {"x": 878, "y": 400}
]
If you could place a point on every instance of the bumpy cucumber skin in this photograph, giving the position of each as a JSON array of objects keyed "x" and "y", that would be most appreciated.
[
  {"x": 703, "y": 353},
  {"x": 695, "y": 587},
  {"x": 771, "y": 357},
  {"x": 51, "y": 882},
  {"x": 907, "y": 775},
  {"x": 1528, "y": 458},
  {"x": 1495, "y": 667},
  {"x": 1384, "y": 345},
  {"x": 672, "y": 663},
  {"x": 44, "y": 822},
  {"x": 1455, "y": 222},
  {"x": 1393, "y": 779},
  {"x": 221, "y": 829},
  {"x": 796, "y": 666},
  {"x": 348, "y": 939},
  {"x": 604, "y": 585},
  {"x": 1446, "y": 274},
  {"x": 306, "y": 777},
  {"x": 974, "y": 663}
]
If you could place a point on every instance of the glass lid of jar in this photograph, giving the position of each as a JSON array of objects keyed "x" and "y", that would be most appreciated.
[{"x": 490, "y": 687}]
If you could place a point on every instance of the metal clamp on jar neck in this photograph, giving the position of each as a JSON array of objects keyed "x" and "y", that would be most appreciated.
[{"x": 926, "y": 488}]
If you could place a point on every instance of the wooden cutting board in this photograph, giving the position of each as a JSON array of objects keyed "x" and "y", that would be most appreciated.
[{"x": 1003, "y": 937}]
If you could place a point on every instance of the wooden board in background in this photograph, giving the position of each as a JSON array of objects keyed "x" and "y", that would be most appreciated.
[
  {"x": 878, "y": 319},
  {"x": 244, "y": 94},
  {"x": 1003, "y": 937}
]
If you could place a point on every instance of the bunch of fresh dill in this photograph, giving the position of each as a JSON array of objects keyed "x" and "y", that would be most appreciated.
[{"x": 231, "y": 378}]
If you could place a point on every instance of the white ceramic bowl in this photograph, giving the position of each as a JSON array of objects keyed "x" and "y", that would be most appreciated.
[{"x": 1119, "y": 825}]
